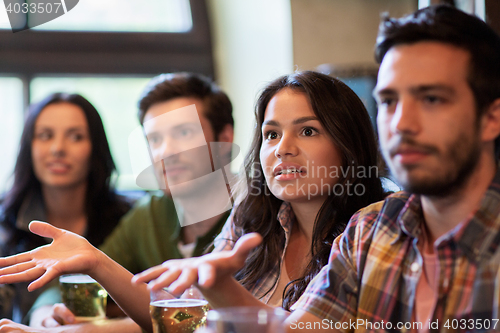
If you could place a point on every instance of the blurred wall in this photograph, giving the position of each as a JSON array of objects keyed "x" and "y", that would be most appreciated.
[
  {"x": 340, "y": 32},
  {"x": 252, "y": 43},
  {"x": 259, "y": 40}
]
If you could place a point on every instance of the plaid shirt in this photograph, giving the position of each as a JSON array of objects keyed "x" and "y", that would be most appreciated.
[
  {"x": 375, "y": 266},
  {"x": 230, "y": 234}
]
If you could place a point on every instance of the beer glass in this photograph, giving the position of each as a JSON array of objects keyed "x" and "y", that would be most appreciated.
[
  {"x": 246, "y": 320},
  {"x": 83, "y": 296},
  {"x": 173, "y": 315}
]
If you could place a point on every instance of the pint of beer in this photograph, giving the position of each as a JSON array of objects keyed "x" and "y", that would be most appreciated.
[
  {"x": 178, "y": 315},
  {"x": 83, "y": 296}
]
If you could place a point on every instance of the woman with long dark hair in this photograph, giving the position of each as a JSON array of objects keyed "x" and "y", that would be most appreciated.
[
  {"x": 302, "y": 119},
  {"x": 312, "y": 164},
  {"x": 62, "y": 175},
  {"x": 344, "y": 120}
]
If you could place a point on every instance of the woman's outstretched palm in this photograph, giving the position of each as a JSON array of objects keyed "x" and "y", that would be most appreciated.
[
  {"x": 205, "y": 271},
  {"x": 68, "y": 253}
]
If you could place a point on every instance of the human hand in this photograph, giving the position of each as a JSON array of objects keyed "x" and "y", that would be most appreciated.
[
  {"x": 50, "y": 316},
  {"x": 205, "y": 271},
  {"x": 125, "y": 325},
  {"x": 68, "y": 253},
  {"x": 8, "y": 326}
]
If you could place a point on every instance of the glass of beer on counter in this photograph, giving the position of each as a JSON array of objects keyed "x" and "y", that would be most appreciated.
[
  {"x": 83, "y": 296},
  {"x": 173, "y": 315}
]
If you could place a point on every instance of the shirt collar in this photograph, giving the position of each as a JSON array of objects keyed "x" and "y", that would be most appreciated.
[
  {"x": 481, "y": 232},
  {"x": 411, "y": 216},
  {"x": 478, "y": 235}
]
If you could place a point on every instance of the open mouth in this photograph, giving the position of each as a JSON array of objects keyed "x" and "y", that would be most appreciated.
[{"x": 288, "y": 172}]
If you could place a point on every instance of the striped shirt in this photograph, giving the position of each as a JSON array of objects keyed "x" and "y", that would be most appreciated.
[
  {"x": 375, "y": 266},
  {"x": 267, "y": 285}
]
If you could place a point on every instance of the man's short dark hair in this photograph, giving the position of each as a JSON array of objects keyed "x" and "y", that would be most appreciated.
[
  {"x": 164, "y": 87},
  {"x": 446, "y": 24}
]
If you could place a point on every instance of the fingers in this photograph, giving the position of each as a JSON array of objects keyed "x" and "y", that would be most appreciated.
[
  {"x": 15, "y": 259},
  {"x": 4, "y": 322},
  {"x": 50, "y": 322},
  {"x": 206, "y": 275},
  {"x": 8, "y": 326},
  {"x": 44, "y": 277},
  {"x": 44, "y": 229},
  {"x": 165, "y": 280},
  {"x": 244, "y": 245},
  {"x": 179, "y": 275},
  {"x": 149, "y": 274},
  {"x": 61, "y": 314},
  {"x": 178, "y": 283},
  {"x": 18, "y": 268},
  {"x": 27, "y": 275}
]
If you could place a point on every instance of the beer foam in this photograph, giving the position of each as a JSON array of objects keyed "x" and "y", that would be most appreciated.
[
  {"x": 77, "y": 278},
  {"x": 179, "y": 303}
]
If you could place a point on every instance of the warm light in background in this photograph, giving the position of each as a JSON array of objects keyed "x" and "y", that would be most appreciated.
[{"x": 119, "y": 16}]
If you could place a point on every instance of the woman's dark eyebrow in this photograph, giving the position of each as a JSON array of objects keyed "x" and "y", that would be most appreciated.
[
  {"x": 295, "y": 122},
  {"x": 76, "y": 128},
  {"x": 304, "y": 120},
  {"x": 271, "y": 123}
]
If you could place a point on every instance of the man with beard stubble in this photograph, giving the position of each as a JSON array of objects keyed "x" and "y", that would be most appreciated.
[{"x": 425, "y": 259}]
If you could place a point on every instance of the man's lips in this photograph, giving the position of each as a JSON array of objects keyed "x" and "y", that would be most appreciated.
[
  {"x": 174, "y": 171},
  {"x": 409, "y": 157},
  {"x": 409, "y": 154}
]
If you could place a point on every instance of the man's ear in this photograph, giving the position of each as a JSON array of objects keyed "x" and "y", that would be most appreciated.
[
  {"x": 491, "y": 122},
  {"x": 227, "y": 134}
]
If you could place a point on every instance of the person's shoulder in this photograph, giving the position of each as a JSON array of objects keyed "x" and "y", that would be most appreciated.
[
  {"x": 385, "y": 210},
  {"x": 150, "y": 199},
  {"x": 394, "y": 200},
  {"x": 375, "y": 224},
  {"x": 153, "y": 205}
]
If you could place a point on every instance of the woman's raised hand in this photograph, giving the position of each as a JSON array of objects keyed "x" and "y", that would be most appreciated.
[
  {"x": 68, "y": 253},
  {"x": 205, "y": 271}
]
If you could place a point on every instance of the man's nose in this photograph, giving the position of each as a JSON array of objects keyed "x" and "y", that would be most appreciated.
[
  {"x": 406, "y": 118},
  {"x": 167, "y": 149}
]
